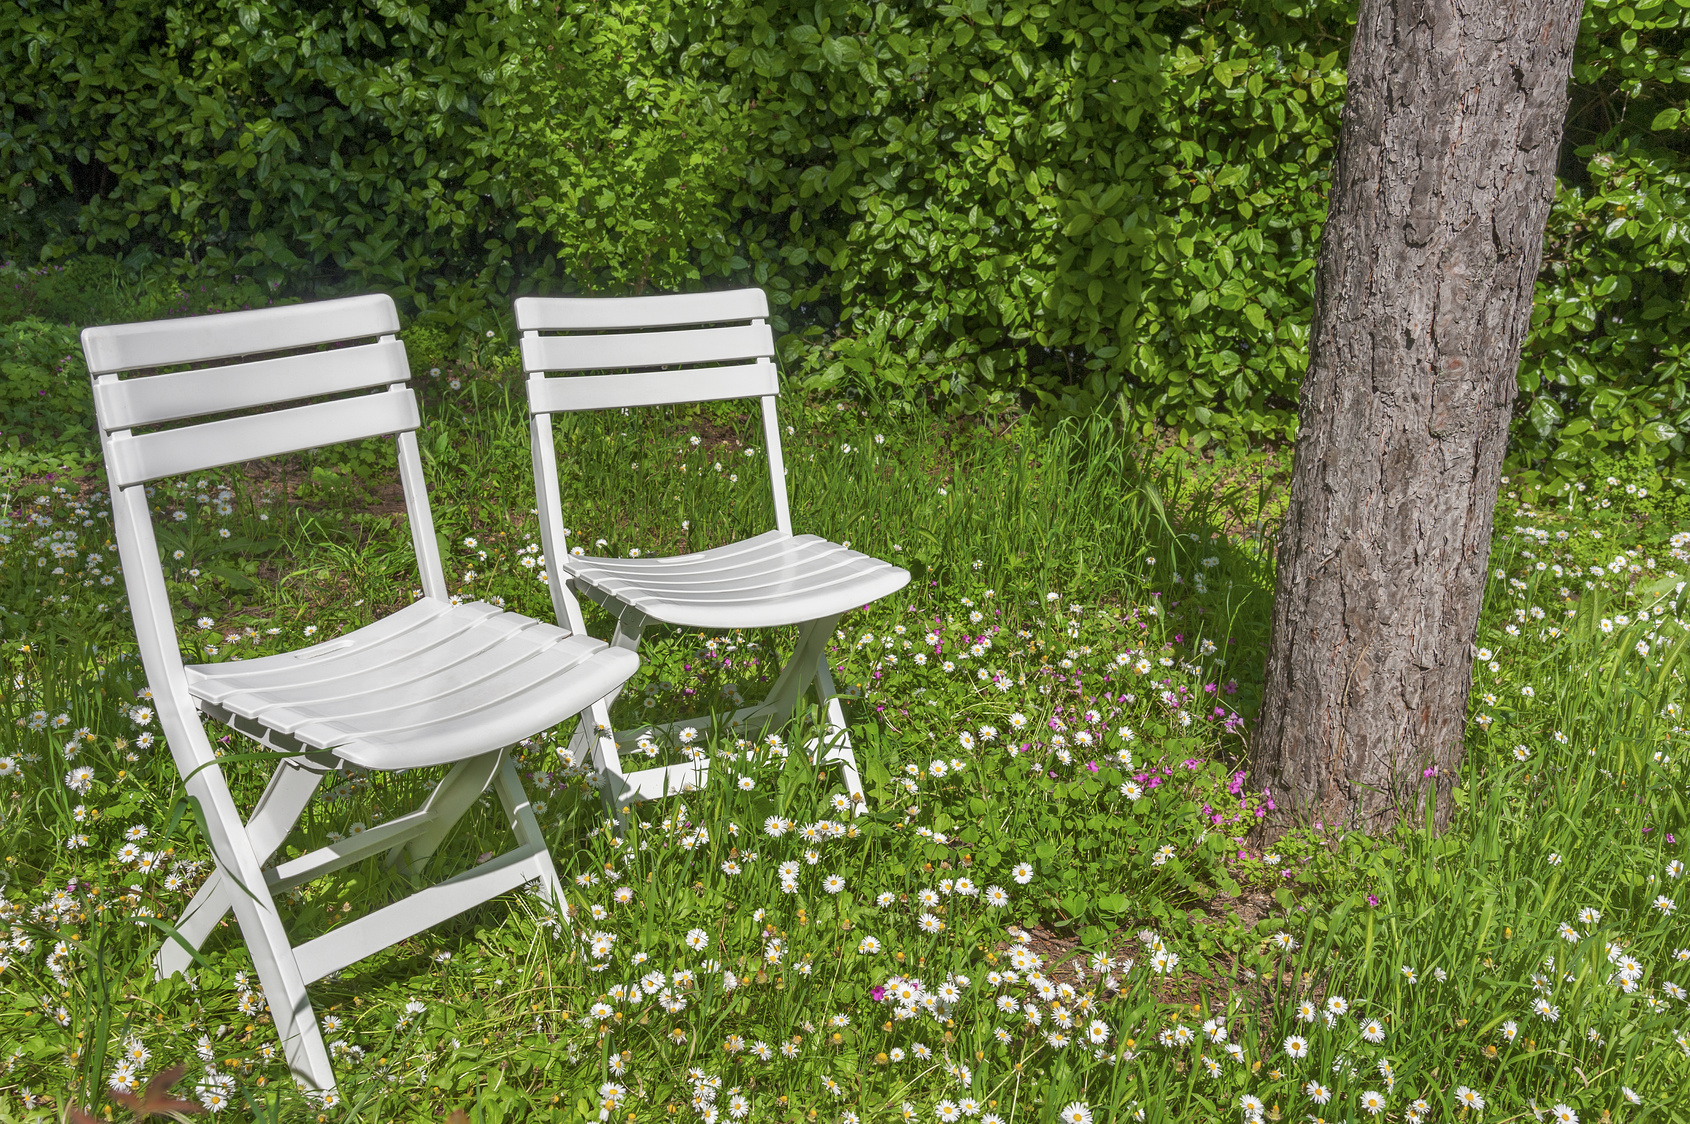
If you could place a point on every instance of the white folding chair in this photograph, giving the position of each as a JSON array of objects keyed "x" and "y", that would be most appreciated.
[
  {"x": 435, "y": 683},
  {"x": 666, "y": 350}
]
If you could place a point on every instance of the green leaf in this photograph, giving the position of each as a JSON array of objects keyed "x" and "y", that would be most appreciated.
[
  {"x": 235, "y": 578},
  {"x": 841, "y": 52},
  {"x": 1545, "y": 416}
]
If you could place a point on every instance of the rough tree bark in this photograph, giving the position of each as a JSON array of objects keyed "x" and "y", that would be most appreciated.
[{"x": 1441, "y": 186}]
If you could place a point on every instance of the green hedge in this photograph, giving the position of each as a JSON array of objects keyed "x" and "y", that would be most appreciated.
[
  {"x": 46, "y": 403},
  {"x": 975, "y": 202},
  {"x": 1603, "y": 368},
  {"x": 1070, "y": 199}
]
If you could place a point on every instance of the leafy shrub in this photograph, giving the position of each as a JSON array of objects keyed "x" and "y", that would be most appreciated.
[
  {"x": 976, "y": 202},
  {"x": 46, "y": 410},
  {"x": 1060, "y": 198},
  {"x": 284, "y": 141},
  {"x": 425, "y": 346},
  {"x": 623, "y": 166},
  {"x": 1603, "y": 368},
  {"x": 85, "y": 289}
]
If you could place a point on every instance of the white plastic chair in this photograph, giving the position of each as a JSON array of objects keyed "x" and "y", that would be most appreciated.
[
  {"x": 435, "y": 683},
  {"x": 668, "y": 350}
]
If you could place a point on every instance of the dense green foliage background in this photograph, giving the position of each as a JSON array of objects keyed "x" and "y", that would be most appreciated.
[{"x": 974, "y": 202}]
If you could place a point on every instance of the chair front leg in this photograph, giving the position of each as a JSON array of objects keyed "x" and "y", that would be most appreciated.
[{"x": 255, "y": 911}]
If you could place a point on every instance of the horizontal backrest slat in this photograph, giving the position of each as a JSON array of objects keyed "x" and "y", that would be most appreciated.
[
  {"x": 563, "y": 314},
  {"x": 138, "y": 458},
  {"x": 150, "y": 399},
  {"x": 646, "y": 349},
  {"x": 224, "y": 335},
  {"x": 650, "y": 388}
]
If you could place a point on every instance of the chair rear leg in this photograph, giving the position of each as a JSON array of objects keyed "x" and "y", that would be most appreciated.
[
  {"x": 584, "y": 744},
  {"x": 607, "y": 766},
  {"x": 592, "y": 728},
  {"x": 806, "y": 669},
  {"x": 595, "y": 738},
  {"x": 290, "y": 789},
  {"x": 209, "y": 906},
  {"x": 519, "y": 813},
  {"x": 456, "y": 793},
  {"x": 795, "y": 678},
  {"x": 837, "y": 740}
]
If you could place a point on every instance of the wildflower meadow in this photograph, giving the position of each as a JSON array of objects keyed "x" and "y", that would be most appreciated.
[{"x": 1054, "y": 904}]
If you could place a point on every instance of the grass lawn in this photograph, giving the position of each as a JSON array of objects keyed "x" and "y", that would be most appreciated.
[{"x": 1054, "y": 909}]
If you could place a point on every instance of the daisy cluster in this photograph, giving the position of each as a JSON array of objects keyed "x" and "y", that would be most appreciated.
[
  {"x": 1006, "y": 923},
  {"x": 56, "y": 547}
]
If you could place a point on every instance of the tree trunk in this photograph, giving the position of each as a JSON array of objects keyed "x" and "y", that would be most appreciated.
[{"x": 1441, "y": 186}]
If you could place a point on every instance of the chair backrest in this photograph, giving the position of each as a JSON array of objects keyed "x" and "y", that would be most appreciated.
[
  {"x": 260, "y": 379},
  {"x": 628, "y": 333},
  {"x": 663, "y": 350}
]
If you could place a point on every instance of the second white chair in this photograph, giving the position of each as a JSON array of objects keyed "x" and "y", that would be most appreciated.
[{"x": 669, "y": 350}]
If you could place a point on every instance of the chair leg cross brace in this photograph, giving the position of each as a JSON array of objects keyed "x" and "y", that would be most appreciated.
[
  {"x": 290, "y": 789},
  {"x": 285, "y": 969},
  {"x": 806, "y": 668}
]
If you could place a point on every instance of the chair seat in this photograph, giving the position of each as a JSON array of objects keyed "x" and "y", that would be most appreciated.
[
  {"x": 431, "y": 684},
  {"x": 771, "y": 580}
]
